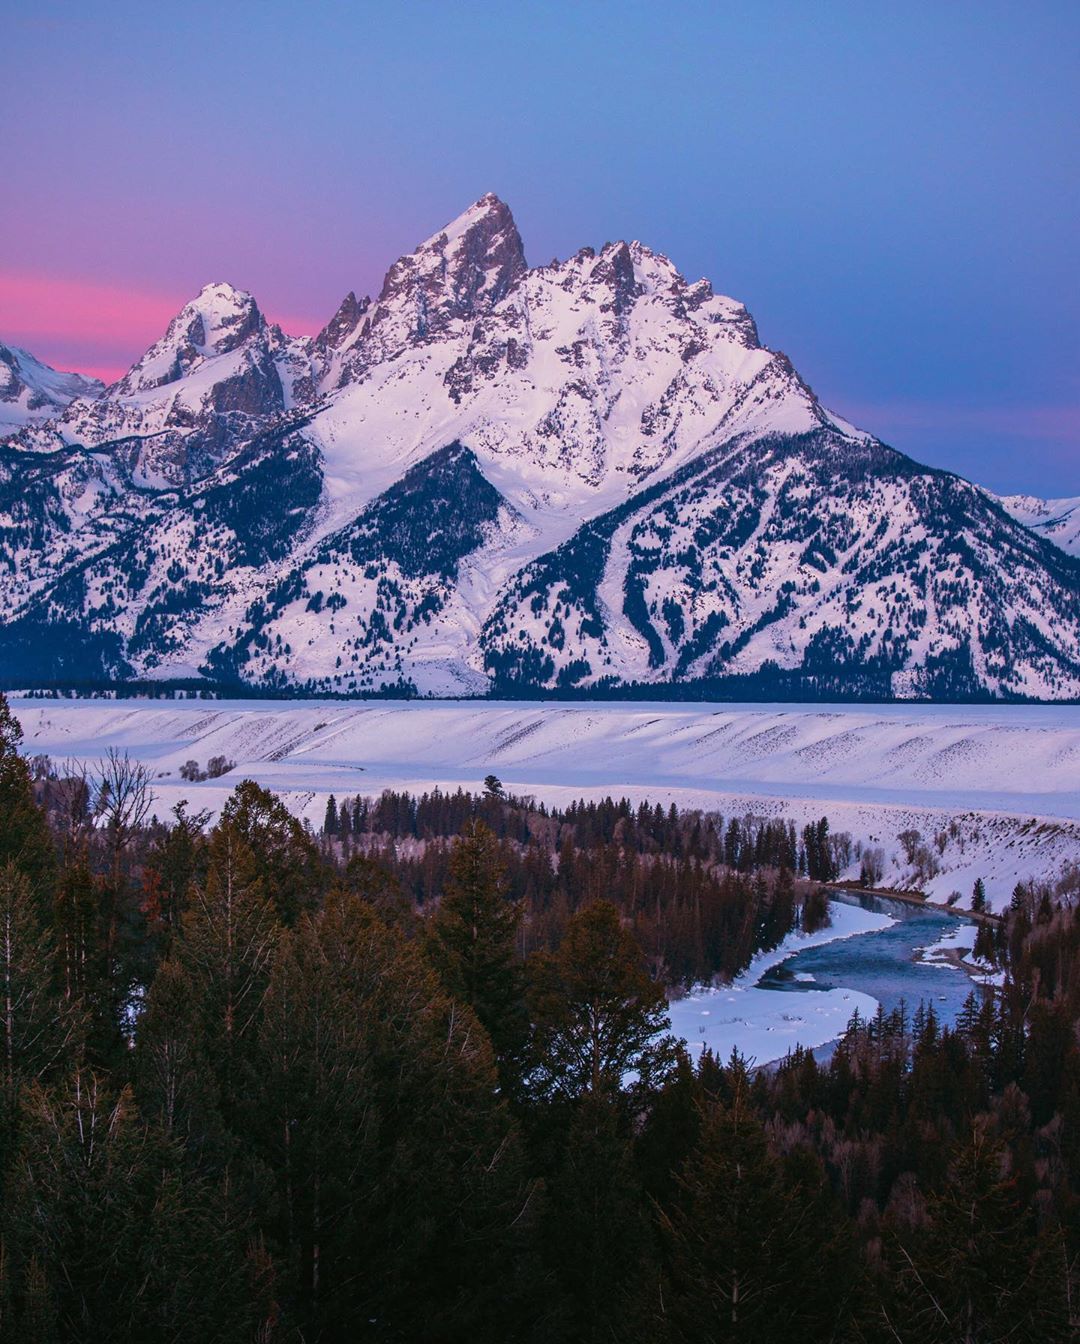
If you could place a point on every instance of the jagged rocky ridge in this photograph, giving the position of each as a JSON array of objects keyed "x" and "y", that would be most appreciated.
[{"x": 578, "y": 476}]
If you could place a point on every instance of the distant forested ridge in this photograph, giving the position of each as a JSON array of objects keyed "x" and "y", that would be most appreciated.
[{"x": 409, "y": 1078}]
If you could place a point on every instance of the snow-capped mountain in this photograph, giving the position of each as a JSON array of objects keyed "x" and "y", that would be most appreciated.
[
  {"x": 218, "y": 376},
  {"x": 1056, "y": 519},
  {"x": 31, "y": 390},
  {"x": 492, "y": 476}
]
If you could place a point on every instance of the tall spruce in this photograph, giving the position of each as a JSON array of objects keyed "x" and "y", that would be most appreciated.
[
  {"x": 402, "y": 1199},
  {"x": 109, "y": 1239},
  {"x": 25, "y": 839},
  {"x": 598, "y": 1237},
  {"x": 744, "y": 1246},
  {"x": 599, "y": 1020},
  {"x": 473, "y": 945},
  {"x": 41, "y": 1029}
]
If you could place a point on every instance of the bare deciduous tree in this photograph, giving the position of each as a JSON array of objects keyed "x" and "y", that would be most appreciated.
[{"x": 122, "y": 801}]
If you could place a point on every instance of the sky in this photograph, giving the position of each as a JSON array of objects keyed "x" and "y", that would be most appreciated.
[{"x": 893, "y": 191}]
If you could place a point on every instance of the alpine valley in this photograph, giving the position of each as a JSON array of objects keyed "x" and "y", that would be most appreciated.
[{"x": 588, "y": 477}]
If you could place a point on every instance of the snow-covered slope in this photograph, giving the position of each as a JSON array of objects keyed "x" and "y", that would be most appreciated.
[
  {"x": 591, "y": 471},
  {"x": 1056, "y": 519},
  {"x": 978, "y": 791},
  {"x": 32, "y": 391}
]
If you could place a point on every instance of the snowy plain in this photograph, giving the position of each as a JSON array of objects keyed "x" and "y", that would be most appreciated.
[{"x": 993, "y": 790}]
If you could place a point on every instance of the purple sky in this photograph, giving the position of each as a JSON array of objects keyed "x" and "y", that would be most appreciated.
[{"x": 894, "y": 194}]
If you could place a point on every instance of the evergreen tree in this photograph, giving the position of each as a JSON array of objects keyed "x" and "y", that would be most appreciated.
[
  {"x": 108, "y": 1239},
  {"x": 977, "y": 1270},
  {"x": 401, "y": 1195},
  {"x": 747, "y": 1248},
  {"x": 598, "y": 1017},
  {"x": 597, "y": 1235},
  {"x": 472, "y": 943},
  {"x": 225, "y": 950},
  {"x": 178, "y": 860},
  {"x": 40, "y": 1029},
  {"x": 278, "y": 851},
  {"x": 24, "y": 834}
]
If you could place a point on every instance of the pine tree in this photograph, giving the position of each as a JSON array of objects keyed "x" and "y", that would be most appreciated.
[
  {"x": 41, "y": 1029},
  {"x": 179, "y": 859},
  {"x": 107, "y": 1237},
  {"x": 279, "y": 852},
  {"x": 745, "y": 1246},
  {"x": 977, "y": 1270},
  {"x": 225, "y": 949},
  {"x": 597, "y": 1235},
  {"x": 174, "y": 1086},
  {"x": 400, "y": 1189},
  {"x": 598, "y": 1017},
  {"x": 472, "y": 942},
  {"x": 24, "y": 834}
]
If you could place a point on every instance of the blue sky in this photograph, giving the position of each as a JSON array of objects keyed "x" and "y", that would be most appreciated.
[{"x": 894, "y": 191}]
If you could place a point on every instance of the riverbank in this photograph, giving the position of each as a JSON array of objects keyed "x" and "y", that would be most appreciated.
[
  {"x": 992, "y": 790},
  {"x": 878, "y": 951},
  {"x": 919, "y": 898}
]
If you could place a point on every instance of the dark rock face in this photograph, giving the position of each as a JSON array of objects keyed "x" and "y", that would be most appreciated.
[
  {"x": 10, "y": 382},
  {"x": 616, "y": 270},
  {"x": 343, "y": 324},
  {"x": 30, "y": 390}
]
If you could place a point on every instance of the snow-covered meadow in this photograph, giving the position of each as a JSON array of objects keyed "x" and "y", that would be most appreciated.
[{"x": 994, "y": 791}]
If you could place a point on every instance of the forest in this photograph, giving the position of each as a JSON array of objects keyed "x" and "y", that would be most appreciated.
[{"x": 409, "y": 1078}]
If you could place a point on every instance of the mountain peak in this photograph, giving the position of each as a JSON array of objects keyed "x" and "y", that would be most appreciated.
[
  {"x": 344, "y": 322},
  {"x": 489, "y": 214},
  {"x": 229, "y": 316},
  {"x": 31, "y": 390},
  {"x": 217, "y": 321},
  {"x": 460, "y": 272}
]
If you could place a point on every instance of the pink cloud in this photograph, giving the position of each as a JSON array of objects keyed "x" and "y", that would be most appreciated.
[{"x": 93, "y": 327}]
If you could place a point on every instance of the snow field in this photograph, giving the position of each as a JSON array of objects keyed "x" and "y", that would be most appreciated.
[{"x": 991, "y": 790}]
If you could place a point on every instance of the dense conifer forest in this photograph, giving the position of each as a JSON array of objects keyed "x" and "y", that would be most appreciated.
[{"x": 409, "y": 1079}]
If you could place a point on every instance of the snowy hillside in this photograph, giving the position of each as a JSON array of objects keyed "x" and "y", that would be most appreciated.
[
  {"x": 497, "y": 477},
  {"x": 32, "y": 391},
  {"x": 990, "y": 791},
  {"x": 1056, "y": 519}
]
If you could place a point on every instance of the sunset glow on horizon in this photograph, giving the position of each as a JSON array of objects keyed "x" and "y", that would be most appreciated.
[{"x": 79, "y": 324}]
